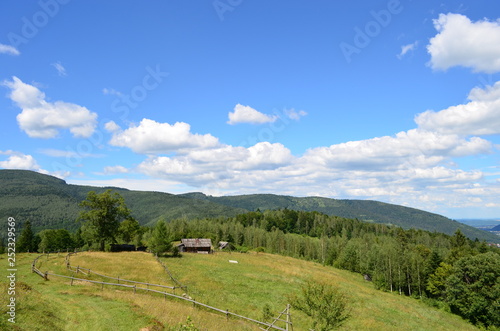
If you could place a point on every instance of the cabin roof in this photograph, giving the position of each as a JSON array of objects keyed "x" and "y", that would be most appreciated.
[{"x": 196, "y": 242}]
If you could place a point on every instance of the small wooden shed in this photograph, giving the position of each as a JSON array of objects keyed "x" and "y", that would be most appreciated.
[{"x": 195, "y": 246}]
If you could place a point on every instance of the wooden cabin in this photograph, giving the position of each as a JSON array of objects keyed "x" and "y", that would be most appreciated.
[{"x": 198, "y": 245}]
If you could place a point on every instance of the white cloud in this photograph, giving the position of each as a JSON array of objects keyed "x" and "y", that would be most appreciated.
[
  {"x": 111, "y": 126},
  {"x": 20, "y": 161},
  {"x": 460, "y": 42},
  {"x": 223, "y": 162},
  {"x": 153, "y": 137},
  {"x": 60, "y": 69},
  {"x": 42, "y": 119},
  {"x": 480, "y": 116},
  {"x": 246, "y": 114},
  {"x": 294, "y": 115},
  {"x": 8, "y": 49},
  {"x": 407, "y": 48},
  {"x": 415, "y": 148}
]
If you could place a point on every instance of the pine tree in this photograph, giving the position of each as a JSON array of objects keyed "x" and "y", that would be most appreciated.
[
  {"x": 160, "y": 241},
  {"x": 26, "y": 241}
]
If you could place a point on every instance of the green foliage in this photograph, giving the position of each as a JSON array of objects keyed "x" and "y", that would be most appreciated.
[
  {"x": 326, "y": 304},
  {"x": 51, "y": 203},
  {"x": 102, "y": 215},
  {"x": 55, "y": 240},
  {"x": 160, "y": 241},
  {"x": 267, "y": 313},
  {"x": 129, "y": 229},
  {"x": 26, "y": 241},
  {"x": 473, "y": 289},
  {"x": 186, "y": 326},
  {"x": 437, "y": 281}
]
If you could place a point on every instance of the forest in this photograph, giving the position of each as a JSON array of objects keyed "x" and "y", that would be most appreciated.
[{"x": 453, "y": 273}]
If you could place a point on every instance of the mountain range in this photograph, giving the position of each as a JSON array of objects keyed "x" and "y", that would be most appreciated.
[{"x": 50, "y": 203}]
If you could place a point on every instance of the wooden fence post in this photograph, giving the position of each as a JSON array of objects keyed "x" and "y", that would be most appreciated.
[
  {"x": 45, "y": 275},
  {"x": 134, "y": 288},
  {"x": 288, "y": 316},
  {"x": 72, "y": 278}
]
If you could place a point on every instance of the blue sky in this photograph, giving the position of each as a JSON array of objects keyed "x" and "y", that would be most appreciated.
[{"x": 396, "y": 101}]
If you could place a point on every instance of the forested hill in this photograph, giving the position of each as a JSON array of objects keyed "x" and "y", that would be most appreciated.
[
  {"x": 366, "y": 210},
  {"x": 49, "y": 202}
]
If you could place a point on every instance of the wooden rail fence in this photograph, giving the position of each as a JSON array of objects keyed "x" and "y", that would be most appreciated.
[{"x": 165, "y": 294}]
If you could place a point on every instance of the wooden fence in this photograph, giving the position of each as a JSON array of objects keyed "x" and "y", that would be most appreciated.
[
  {"x": 169, "y": 273},
  {"x": 195, "y": 303}
]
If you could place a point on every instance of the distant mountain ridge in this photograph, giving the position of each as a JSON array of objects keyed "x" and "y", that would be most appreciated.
[
  {"x": 50, "y": 202},
  {"x": 366, "y": 210}
]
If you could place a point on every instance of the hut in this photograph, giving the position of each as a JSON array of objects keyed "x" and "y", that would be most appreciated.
[
  {"x": 195, "y": 246},
  {"x": 224, "y": 245}
]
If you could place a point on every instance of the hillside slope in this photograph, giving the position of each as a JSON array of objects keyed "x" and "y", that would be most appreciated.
[
  {"x": 244, "y": 288},
  {"x": 49, "y": 202},
  {"x": 366, "y": 210}
]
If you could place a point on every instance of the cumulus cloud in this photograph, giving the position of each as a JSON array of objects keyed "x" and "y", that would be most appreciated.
[
  {"x": 461, "y": 42},
  {"x": 19, "y": 161},
  {"x": 224, "y": 166},
  {"x": 8, "y": 49},
  {"x": 407, "y": 48},
  {"x": 246, "y": 114},
  {"x": 111, "y": 126},
  {"x": 480, "y": 116},
  {"x": 153, "y": 137},
  {"x": 42, "y": 119},
  {"x": 411, "y": 149}
]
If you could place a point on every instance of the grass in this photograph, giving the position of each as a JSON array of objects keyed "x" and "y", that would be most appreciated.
[{"x": 244, "y": 288}]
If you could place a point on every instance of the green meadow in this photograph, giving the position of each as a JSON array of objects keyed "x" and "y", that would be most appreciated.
[{"x": 245, "y": 288}]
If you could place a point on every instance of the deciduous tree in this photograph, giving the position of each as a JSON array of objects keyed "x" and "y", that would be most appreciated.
[{"x": 102, "y": 215}]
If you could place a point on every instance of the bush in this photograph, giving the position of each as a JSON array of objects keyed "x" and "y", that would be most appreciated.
[{"x": 326, "y": 304}]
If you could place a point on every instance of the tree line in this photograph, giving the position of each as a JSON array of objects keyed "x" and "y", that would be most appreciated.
[{"x": 451, "y": 272}]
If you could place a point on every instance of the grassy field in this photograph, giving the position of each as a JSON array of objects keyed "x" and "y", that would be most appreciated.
[{"x": 244, "y": 288}]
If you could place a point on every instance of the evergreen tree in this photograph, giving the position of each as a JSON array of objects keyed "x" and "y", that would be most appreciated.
[
  {"x": 26, "y": 241},
  {"x": 160, "y": 241}
]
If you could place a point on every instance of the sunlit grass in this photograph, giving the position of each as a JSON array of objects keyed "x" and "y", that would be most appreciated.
[{"x": 244, "y": 288}]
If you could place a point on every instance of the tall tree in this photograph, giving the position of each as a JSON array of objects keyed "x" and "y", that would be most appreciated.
[
  {"x": 473, "y": 288},
  {"x": 128, "y": 229},
  {"x": 160, "y": 241},
  {"x": 27, "y": 239},
  {"x": 102, "y": 215}
]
